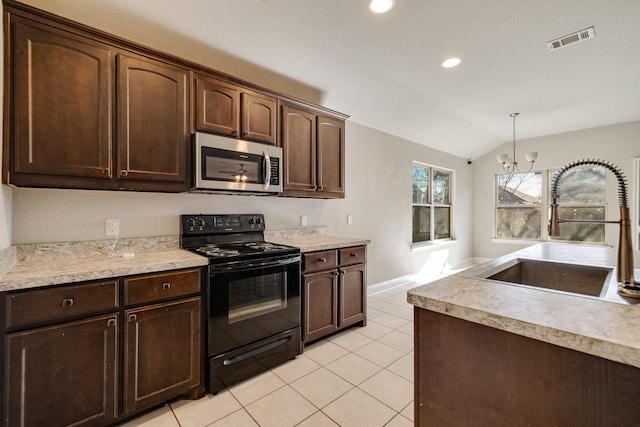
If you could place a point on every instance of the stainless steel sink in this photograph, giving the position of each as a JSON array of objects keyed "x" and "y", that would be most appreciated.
[{"x": 556, "y": 276}]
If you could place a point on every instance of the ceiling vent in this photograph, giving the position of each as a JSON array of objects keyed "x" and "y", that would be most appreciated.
[{"x": 582, "y": 35}]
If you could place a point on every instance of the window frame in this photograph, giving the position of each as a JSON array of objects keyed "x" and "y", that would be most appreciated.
[{"x": 433, "y": 205}]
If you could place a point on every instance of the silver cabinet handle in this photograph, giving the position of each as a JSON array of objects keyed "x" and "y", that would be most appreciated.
[
  {"x": 133, "y": 318},
  {"x": 67, "y": 302},
  {"x": 353, "y": 254},
  {"x": 111, "y": 322},
  {"x": 322, "y": 259},
  {"x": 124, "y": 172},
  {"x": 105, "y": 171},
  {"x": 166, "y": 286}
]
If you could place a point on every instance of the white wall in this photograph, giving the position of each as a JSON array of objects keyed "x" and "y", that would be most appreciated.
[
  {"x": 618, "y": 144},
  {"x": 378, "y": 186}
]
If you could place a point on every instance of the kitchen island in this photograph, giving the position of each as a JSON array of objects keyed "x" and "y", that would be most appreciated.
[{"x": 491, "y": 353}]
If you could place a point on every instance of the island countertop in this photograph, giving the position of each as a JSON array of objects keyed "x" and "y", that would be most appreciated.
[{"x": 607, "y": 328}]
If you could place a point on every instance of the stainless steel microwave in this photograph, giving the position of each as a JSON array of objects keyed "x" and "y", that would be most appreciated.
[{"x": 232, "y": 165}]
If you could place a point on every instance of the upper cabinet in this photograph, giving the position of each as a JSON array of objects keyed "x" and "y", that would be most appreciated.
[
  {"x": 66, "y": 90},
  {"x": 233, "y": 111},
  {"x": 153, "y": 135},
  {"x": 314, "y": 153},
  {"x": 62, "y": 104},
  {"x": 86, "y": 109}
]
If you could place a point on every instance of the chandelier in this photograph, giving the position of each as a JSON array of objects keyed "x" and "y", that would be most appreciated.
[{"x": 510, "y": 164}]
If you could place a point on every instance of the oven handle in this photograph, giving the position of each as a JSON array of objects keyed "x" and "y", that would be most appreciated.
[{"x": 244, "y": 265}]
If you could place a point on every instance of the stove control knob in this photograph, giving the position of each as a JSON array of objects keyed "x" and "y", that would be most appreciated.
[
  {"x": 251, "y": 220},
  {"x": 190, "y": 222},
  {"x": 200, "y": 222},
  {"x": 258, "y": 220}
]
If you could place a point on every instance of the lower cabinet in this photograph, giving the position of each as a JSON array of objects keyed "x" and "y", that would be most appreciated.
[
  {"x": 93, "y": 354},
  {"x": 162, "y": 357},
  {"x": 334, "y": 291},
  {"x": 63, "y": 375}
]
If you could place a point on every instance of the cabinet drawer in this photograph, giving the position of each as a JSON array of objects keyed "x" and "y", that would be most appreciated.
[
  {"x": 51, "y": 304},
  {"x": 354, "y": 255},
  {"x": 320, "y": 260},
  {"x": 161, "y": 286}
]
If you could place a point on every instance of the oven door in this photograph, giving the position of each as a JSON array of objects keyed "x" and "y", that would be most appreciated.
[{"x": 251, "y": 301}]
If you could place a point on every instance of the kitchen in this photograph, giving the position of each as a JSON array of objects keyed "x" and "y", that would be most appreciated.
[{"x": 373, "y": 183}]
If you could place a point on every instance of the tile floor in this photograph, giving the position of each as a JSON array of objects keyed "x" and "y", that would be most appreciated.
[{"x": 360, "y": 377}]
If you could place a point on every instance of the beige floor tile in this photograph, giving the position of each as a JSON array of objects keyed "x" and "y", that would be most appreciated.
[
  {"x": 407, "y": 329},
  {"x": 239, "y": 418},
  {"x": 390, "y": 321},
  {"x": 407, "y": 412},
  {"x": 282, "y": 408},
  {"x": 162, "y": 417},
  {"x": 202, "y": 412},
  {"x": 318, "y": 420},
  {"x": 372, "y": 313},
  {"x": 398, "y": 298},
  {"x": 399, "y": 421},
  {"x": 399, "y": 340},
  {"x": 350, "y": 339},
  {"x": 405, "y": 311},
  {"x": 353, "y": 368},
  {"x": 324, "y": 352},
  {"x": 321, "y": 387},
  {"x": 379, "y": 353},
  {"x": 403, "y": 366},
  {"x": 297, "y": 368},
  {"x": 381, "y": 305},
  {"x": 256, "y": 387},
  {"x": 389, "y": 388},
  {"x": 374, "y": 330},
  {"x": 357, "y": 409}
]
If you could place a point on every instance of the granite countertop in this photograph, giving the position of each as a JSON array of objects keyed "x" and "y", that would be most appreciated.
[
  {"x": 310, "y": 239},
  {"x": 601, "y": 327},
  {"x": 44, "y": 264},
  {"x": 37, "y": 265}
]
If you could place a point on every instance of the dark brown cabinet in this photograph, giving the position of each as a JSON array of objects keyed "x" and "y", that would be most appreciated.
[
  {"x": 233, "y": 111},
  {"x": 79, "y": 120},
  {"x": 334, "y": 291},
  {"x": 314, "y": 154},
  {"x": 93, "y": 353},
  {"x": 153, "y": 134},
  {"x": 162, "y": 341},
  {"x": 62, "y": 106},
  {"x": 64, "y": 374}
]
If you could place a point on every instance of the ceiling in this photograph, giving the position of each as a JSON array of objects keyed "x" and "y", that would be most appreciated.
[{"x": 384, "y": 70}]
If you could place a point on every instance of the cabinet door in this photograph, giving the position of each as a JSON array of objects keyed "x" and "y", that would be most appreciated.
[
  {"x": 331, "y": 156},
  {"x": 63, "y": 375},
  {"x": 162, "y": 352},
  {"x": 62, "y": 104},
  {"x": 153, "y": 136},
  {"x": 320, "y": 315},
  {"x": 353, "y": 295},
  {"x": 299, "y": 146},
  {"x": 259, "y": 114},
  {"x": 217, "y": 106}
]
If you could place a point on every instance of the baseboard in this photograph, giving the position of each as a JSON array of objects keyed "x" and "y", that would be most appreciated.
[{"x": 391, "y": 284}]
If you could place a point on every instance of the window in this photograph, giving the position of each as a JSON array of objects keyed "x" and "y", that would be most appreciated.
[
  {"x": 431, "y": 203},
  {"x": 581, "y": 197},
  {"x": 523, "y": 200},
  {"x": 519, "y": 206}
]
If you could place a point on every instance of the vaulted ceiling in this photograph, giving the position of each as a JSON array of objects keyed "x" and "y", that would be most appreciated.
[{"x": 384, "y": 70}]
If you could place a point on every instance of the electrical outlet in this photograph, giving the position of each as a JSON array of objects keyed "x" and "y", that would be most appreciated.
[
  {"x": 349, "y": 219},
  {"x": 113, "y": 227},
  {"x": 303, "y": 220}
]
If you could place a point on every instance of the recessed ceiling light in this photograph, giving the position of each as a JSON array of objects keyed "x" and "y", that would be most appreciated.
[
  {"x": 381, "y": 6},
  {"x": 451, "y": 62}
]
